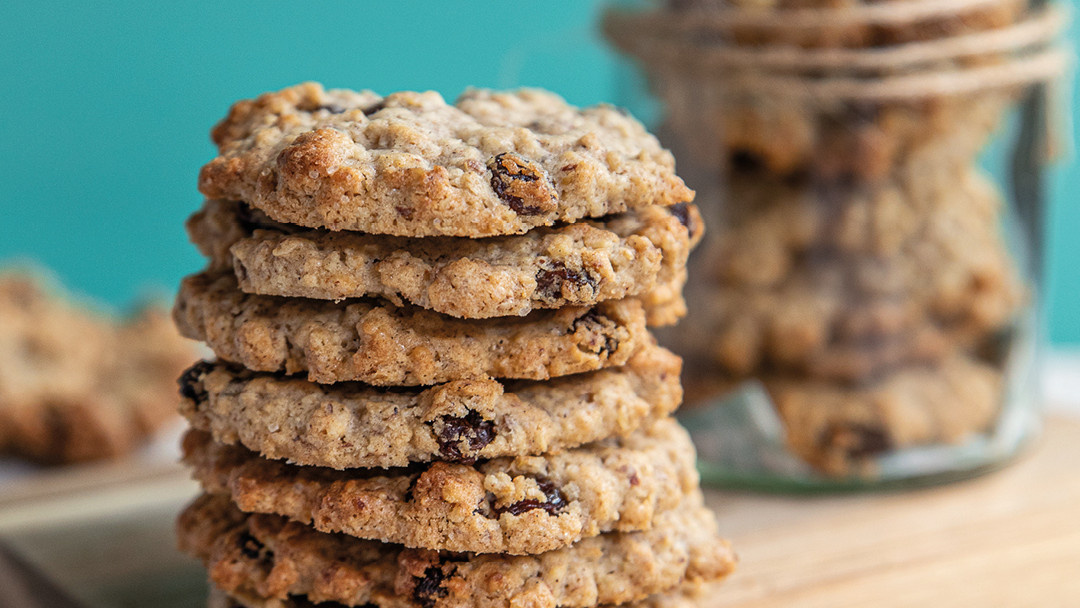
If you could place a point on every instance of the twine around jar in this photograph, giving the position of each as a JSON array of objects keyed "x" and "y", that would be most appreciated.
[
  {"x": 891, "y": 13},
  {"x": 1021, "y": 54},
  {"x": 1040, "y": 28}
]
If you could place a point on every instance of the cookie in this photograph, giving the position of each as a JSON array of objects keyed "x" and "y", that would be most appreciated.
[
  {"x": 78, "y": 385},
  {"x": 862, "y": 140},
  {"x": 940, "y": 280},
  {"x": 686, "y": 595},
  {"x": 356, "y": 426},
  {"x": 819, "y": 326},
  {"x": 267, "y": 556},
  {"x": 571, "y": 265},
  {"x": 820, "y": 334},
  {"x": 513, "y": 505},
  {"x": 779, "y": 223},
  {"x": 410, "y": 164},
  {"x": 840, "y": 430},
  {"x": 388, "y": 346}
]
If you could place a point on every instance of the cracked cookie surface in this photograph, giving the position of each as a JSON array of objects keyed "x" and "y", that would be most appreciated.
[{"x": 411, "y": 164}]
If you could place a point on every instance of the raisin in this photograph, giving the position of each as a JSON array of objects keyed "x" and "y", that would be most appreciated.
[
  {"x": 252, "y": 548},
  {"x": 515, "y": 179},
  {"x": 332, "y": 108},
  {"x": 550, "y": 281},
  {"x": 375, "y": 108},
  {"x": 405, "y": 212},
  {"x": 191, "y": 382},
  {"x": 745, "y": 161},
  {"x": 860, "y": 113},
  {"x": 593, "y": 321},
  {"x": 681, "y": 211},
  {"x": 429, "y": 587},
  {"x": 857, "y": 440},
  {"x": 472, "y": 429},
  {"x": 553, "y": 503}
]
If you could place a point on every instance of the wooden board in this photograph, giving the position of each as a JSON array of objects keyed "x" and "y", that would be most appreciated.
[{"x": 1011, "y": 538}]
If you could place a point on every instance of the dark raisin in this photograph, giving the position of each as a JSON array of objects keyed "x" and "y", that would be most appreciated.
[
  {"x": 191, "y": 382},
  {"x": 861, "y": 113},
  {"x": 429, "y": 587},
  {"x": 332, "y": 108},
  {"x": 405, "y": 212},
  {"x": 745, "y": 161},
  {"x": 550, "y": 280},
  {"x": 375, "y": 108},
  {"x": 857, "y": 440},
  {"x": 514, "y": 179},
  {"x": 681, "y": 211},
  {"x": 553, "y": 503},
  {"x": 471, "y": 429},
  {"x": 252, "y": 548},
  {"x": 595, "y": 322}
]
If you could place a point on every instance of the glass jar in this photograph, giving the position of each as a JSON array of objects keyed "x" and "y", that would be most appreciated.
[{"x": 863, "y": 311}]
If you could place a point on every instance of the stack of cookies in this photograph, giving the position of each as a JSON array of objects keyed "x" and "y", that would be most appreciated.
[
  {"x": 435, "y": 382},
  {"x": 857, "y": 267}
]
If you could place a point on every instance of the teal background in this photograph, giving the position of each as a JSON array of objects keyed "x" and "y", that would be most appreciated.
[{"x": 106, "y": 109}]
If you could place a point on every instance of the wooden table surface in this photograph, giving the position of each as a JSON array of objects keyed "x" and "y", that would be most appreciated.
[{"x": 1011, "y": 538}]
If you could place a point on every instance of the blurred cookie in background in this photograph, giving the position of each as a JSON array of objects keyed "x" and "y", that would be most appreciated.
[{"x": 77, "y": 384}]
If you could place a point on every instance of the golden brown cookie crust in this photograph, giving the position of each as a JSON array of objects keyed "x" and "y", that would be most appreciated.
[
  {"x": 410, "y": 164},
  {"x": 513, "y": 505},
  {"x": 633, "y": 254},
  {"x": 685, "y": 595},
  {"x": 267, "y": 556},
  {"x": 387, "y": 346},
  {"x": 351, "y": 425}
]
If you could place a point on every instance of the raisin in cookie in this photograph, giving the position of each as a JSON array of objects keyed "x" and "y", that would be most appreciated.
[
  {"x": 572, "y": 265},
  {"x": 388, "y": 346},
  {"x": 76, "y": 385},
  {"x": 410, "y": 164},
  {"x": 351, "y": 425},
  {"x": 514, "y": 505},
  {"x": 267, "y": 556}
]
